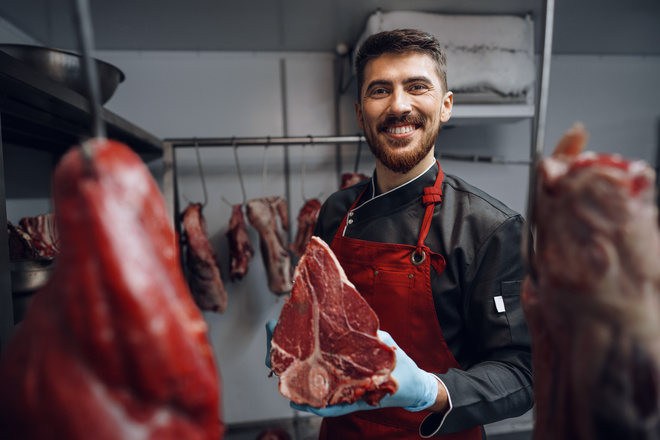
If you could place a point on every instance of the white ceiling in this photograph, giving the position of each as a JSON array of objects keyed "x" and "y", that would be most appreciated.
[{"x": 604, "y": 27}]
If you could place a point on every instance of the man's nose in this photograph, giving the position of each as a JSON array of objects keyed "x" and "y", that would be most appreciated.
[{"x": 400, "y": 103}]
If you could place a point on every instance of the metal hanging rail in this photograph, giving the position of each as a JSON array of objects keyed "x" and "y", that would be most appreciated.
[{"x": 263, "y": 141}]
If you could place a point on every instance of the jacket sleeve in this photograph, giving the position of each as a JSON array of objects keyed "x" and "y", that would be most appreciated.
[{"x": 497, "y": 382}]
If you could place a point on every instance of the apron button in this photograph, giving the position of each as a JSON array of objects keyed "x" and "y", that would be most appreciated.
[
  {"x": 410, "y": 275},
  {"x": 375, "y": 272},
  {"x": 350, "y": 221}
]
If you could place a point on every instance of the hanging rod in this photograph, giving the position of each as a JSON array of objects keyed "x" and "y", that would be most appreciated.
[{"x": 263, "y": 141}]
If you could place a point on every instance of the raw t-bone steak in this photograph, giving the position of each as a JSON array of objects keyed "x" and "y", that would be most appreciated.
[
  {"x": 113, "y": 347},
  {"x": 324, "y": 348},
  {"x": 594, "y": 308}
]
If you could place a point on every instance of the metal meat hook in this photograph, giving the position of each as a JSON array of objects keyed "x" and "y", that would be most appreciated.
[
  {"x": 240, "y": 175},
  {"x": 201, "y": 172}
]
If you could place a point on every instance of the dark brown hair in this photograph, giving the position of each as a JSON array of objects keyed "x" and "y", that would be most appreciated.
[{"x": 400, "y": 41}]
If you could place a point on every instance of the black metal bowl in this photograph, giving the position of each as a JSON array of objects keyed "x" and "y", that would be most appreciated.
[{"x": 66, "y": 68}]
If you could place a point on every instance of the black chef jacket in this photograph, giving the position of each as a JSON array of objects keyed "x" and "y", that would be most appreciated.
[{"x": 479, "y": 238}]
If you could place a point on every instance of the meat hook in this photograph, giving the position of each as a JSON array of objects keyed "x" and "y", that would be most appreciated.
[
  {"x": 265, "y": 166},
  {"x": 238, "y": 170},
  {"x": 201, "y": 172},
  {"x": 82, "y": 18}
]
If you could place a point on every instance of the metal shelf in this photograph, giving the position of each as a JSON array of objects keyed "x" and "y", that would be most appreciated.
[{"x": 37, "y": 112}]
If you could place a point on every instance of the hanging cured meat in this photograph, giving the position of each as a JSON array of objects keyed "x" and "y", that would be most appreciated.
[
  {"x": 262, "y": 215},
  {"x": 203, "y": 267},
  {"x": 113, "y": 347},
  {"x": 350, "y": 179},
  {"x": 325, "y": 348},
  {"x": 307, "y": 219},
  {"x": 593, "y": 307},
  {"x": 240, "y": 246}
]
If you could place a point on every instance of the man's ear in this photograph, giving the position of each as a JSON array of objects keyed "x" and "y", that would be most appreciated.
[
  {"x": 447, "y": 105},
  {"x": 358, "y": 115}
]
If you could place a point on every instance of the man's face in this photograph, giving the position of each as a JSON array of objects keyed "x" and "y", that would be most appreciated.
[{"x": 402, "y": 106}]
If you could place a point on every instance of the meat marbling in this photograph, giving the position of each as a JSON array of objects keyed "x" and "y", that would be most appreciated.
[
  {"x": 594, "y": 306},
  {"x": 203, "y": 267},
  {"x": 113, "y": 347},
  {"x": 325, "y": 348}
]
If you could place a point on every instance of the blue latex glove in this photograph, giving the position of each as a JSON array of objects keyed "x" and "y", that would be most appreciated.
[
  {"x": 270, "y": 325},
  {"x": 417, "y": 390}
]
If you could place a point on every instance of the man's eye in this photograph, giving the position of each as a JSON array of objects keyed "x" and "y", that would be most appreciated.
[
  {"x": 379, "y": 91},
  {"x": 418, "y": 87}
]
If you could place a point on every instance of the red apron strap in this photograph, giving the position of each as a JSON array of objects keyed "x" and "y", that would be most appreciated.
[{"x": 432, "y": 196}]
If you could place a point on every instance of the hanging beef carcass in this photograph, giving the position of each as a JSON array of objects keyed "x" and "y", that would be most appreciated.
[
  {"x": 307, "y": 219},
  {"x": 203, "y": 267},
  {"x": 240, "y": 246},
  {"x": 113, "y": 347},
  {"x": 262, "y": 215},
  {"x": 593, "y": 307},
  {"x": 325, "y": 348}
]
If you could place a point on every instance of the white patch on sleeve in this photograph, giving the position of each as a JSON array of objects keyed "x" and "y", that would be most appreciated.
[{"x": 499, "y": 304}]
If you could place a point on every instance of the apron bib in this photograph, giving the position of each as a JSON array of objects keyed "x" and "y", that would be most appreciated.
[{"x": 395, "y": 279}]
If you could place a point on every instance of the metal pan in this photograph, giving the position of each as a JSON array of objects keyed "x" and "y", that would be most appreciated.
[{"x": 66, "y": 68}]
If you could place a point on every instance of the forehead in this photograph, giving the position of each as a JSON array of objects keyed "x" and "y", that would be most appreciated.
[{"x": 400, "y": 66}]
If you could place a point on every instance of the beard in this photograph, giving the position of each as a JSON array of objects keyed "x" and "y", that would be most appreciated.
[{"x": 397, "y": 161}]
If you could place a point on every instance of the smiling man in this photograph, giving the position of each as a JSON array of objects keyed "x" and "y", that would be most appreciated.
[{"x": 437, "y": 259}]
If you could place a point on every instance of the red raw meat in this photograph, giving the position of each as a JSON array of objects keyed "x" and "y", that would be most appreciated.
[
  {"x": 42, "y": 229},
  {"x": 594, "y": 307},
  {"x": 202, "y": 263},
  {"x": 325, "y": 349},
  {"x": 262, "y": 214},
  {"x": 113, "y": 347},
  {"x": 307, "y": 218},
  {"x": 350, "y": 179},
  {"x": 240, "y": 246},
  {"x": 20, "y": 243}
]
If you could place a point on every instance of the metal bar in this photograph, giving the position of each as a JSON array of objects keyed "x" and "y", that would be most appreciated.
[
  {"x": 538, "y": 135},
  {"x": 262, "y": 141}
]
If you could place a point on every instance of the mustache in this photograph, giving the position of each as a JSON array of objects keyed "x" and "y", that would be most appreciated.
[{"x": 401, "y": 120}]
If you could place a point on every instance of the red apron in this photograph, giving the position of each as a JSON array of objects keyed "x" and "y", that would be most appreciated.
[{"x": 396, "y": 281}]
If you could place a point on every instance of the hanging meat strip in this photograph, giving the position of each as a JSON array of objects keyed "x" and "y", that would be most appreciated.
[
  {"x": 113, "y": 347},
  {"x": 240, "y": 246},
  {"x": 307, "y": 218},
  {"x": 203, "y": 267},
  {"x": 262, "y": 215}
]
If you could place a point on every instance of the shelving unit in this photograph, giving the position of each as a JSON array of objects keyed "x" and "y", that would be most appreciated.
[{"x": 37, "y": 112}]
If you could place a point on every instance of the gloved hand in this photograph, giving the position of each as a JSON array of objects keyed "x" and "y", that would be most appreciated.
[
  {"x": 417, "y": 389},
  {"x": 270, "y": 325}
]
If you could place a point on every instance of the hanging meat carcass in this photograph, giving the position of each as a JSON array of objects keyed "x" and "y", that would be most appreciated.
[
  {"x": 593, "y": 307},
  {"x": 113, "y": 347},
  {"x": 262, "y": 215},
  {"x": 307, "y": 219},
  {"x": 203, "y": 267},
  {"x": 240, "y": 246}
]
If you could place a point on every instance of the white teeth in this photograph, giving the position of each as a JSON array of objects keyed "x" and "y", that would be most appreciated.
[{"x": 401, "y": 130}]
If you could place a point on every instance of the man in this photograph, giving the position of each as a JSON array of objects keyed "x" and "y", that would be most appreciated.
[{"x": 437, "y": 259}]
